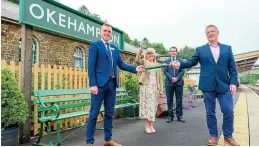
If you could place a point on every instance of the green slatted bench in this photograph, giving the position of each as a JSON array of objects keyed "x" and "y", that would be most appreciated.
[
  {"x": 49, "y": 109},
  {"x": 123, "y": 100}
]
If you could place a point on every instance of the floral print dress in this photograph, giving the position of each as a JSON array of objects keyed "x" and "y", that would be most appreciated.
[{"x": 149, "y": 96}]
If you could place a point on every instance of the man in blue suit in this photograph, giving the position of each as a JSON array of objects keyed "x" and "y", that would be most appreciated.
[
  {"x": 174, "y": 85},
  {"x": 103, "y": 59},
  {"x": 218, "y": 79}
]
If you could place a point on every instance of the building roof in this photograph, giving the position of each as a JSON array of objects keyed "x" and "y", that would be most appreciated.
[
  {"x": 130, "y": 48},
  {"x": 9, "y": 10}
]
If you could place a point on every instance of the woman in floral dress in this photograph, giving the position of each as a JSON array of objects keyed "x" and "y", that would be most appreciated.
[{"x": 150, "y": 88}]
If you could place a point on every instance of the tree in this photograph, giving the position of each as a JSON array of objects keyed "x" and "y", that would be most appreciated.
[
  {"x": 83, "y": 9},
  {"x": 145, "y": 39},
  {"x": 186, "y": 53},
  {"x": 160, "y": 49},
  {"x": 14, "y": 1},
  {"x": 127, "y": 38},
  {"x": 96, "y": 16},
  {"x": 135, "y": 42}
]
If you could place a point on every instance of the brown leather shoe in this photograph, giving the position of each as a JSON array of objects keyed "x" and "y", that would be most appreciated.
[
  {"x": 111, "y": 143},
  {"x": 212, "y": 141},
  {"x": 231, "y": 141},
  {"x": 89, "y": 144}
]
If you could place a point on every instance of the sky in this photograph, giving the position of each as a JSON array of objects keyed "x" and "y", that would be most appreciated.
[{"x": 179, "y": 23}]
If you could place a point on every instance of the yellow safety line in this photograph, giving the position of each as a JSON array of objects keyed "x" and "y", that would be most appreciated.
[{"x": 241, "y": 128}]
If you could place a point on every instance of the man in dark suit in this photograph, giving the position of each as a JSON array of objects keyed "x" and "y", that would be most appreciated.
[
  {"x": 103, "y": 79},
  {"x": 174, "y": 85},
  {"x": 218, "y": 79}
]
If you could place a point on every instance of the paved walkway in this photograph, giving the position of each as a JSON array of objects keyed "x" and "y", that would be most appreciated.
[
  {"x": 192, "y": 133},
  {"x": 246, "y": 130},
  {"x": 253, "y": 115}
]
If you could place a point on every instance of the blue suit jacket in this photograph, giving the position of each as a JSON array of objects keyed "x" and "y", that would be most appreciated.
[
  {"x": 98, "y": 64},
  {"x": 222, "y": 73},
  {"x": 169, "y": 73}
]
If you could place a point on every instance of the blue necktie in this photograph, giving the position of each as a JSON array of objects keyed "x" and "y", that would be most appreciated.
[{"x": 111, "y": 74}]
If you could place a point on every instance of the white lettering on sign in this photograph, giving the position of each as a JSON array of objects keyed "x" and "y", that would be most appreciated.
[
  {"x": 70, "y": 23},
  {"x": 97, "y": 32},
  {"x": 116, "y": 39},
  {"x": 60, "y": 20},
  {"x": 91, "y": 29},
  {"x": 41, "y": 11},
  {"x": 81, "y": 27},
  {"x": 49, "y": 16}
]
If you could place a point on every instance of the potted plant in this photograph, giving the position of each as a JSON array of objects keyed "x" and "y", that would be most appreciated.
[{"x": 14, "y": 109}]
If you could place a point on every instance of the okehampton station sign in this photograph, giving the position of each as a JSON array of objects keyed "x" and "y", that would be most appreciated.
[{"x": 58, "y": 18}]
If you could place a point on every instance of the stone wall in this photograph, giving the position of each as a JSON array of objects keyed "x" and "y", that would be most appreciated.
[
  {"x": 10, "y": 36},
  {"x": 53, "y": 49}
]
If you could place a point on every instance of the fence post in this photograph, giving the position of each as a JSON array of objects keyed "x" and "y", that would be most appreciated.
[{"x": 26, "y": 80}]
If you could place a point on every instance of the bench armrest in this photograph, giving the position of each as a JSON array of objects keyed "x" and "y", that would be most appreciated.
[{"x": 55, "y": 110}]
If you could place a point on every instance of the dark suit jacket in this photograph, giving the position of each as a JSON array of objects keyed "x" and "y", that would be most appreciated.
[
  {"x": 222, "y": 73},
  {"x": 98, "y": 64},
  {"x": 169, "y": 73}
]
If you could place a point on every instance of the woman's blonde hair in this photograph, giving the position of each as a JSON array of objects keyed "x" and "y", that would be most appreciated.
[{"x": 150, "y": 50}]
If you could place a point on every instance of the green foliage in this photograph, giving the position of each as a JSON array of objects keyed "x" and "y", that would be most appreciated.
[
  {"x": 160, "y": 49},
  {"x": 186, "y": 52},
  {"x": 127, "y": 38},
  {"x": 14, "y": 1},
  {"x": 132, "y": 87},
  {"x": 83, "y": 9},
  {"x": 248, "y": 79},
  {"x": 14, "y": 109}
]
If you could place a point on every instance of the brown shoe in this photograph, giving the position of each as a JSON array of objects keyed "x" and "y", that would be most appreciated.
[
  {"x": 212, "y": 141},
  {"x": 111, "y": 143},
  {"x": 231, "y": 141},
  {"x": 89, "y": 144}
]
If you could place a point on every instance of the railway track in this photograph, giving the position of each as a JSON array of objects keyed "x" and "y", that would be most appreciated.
[{"x": 255, "y": 89}]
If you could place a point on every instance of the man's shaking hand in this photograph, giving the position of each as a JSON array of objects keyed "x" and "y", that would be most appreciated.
[{"x": 140, "y": 68}]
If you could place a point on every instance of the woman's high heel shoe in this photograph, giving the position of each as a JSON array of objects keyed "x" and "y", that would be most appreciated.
[{"x": 148, "y": 130}]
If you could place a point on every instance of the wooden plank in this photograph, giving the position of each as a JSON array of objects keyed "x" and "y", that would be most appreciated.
[
  {"x": 12, "y": 67},
  {"x": 55, "y": 79},
  {"x": 61, "y": 92},
  {"x": 26, "y": 79},
  {"x": 71, "y": 80},
  {"x": 4, "y": 64},
  {"x": 20, "y": 70},
  {"x": 42, "y": 69},
  {"x": 49, "y": 71},
  {"x": 64, "y": 98},
  {"x": 60, "y": 73},
  {"x": 76, "y": 87},
  {"x": 66, "y": 87},
  {"x": 81, "y": 76},
  {"x": 84, "y": 86},
  {"x": 49, "y": 76},
  {"x": 35, "y": 107},
  {"x": 60, "y": 77}
]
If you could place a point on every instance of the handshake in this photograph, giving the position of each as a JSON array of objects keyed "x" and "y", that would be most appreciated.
[
  {"x": 140, "y": 68},
  {"x": 175, "y": 64}
]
